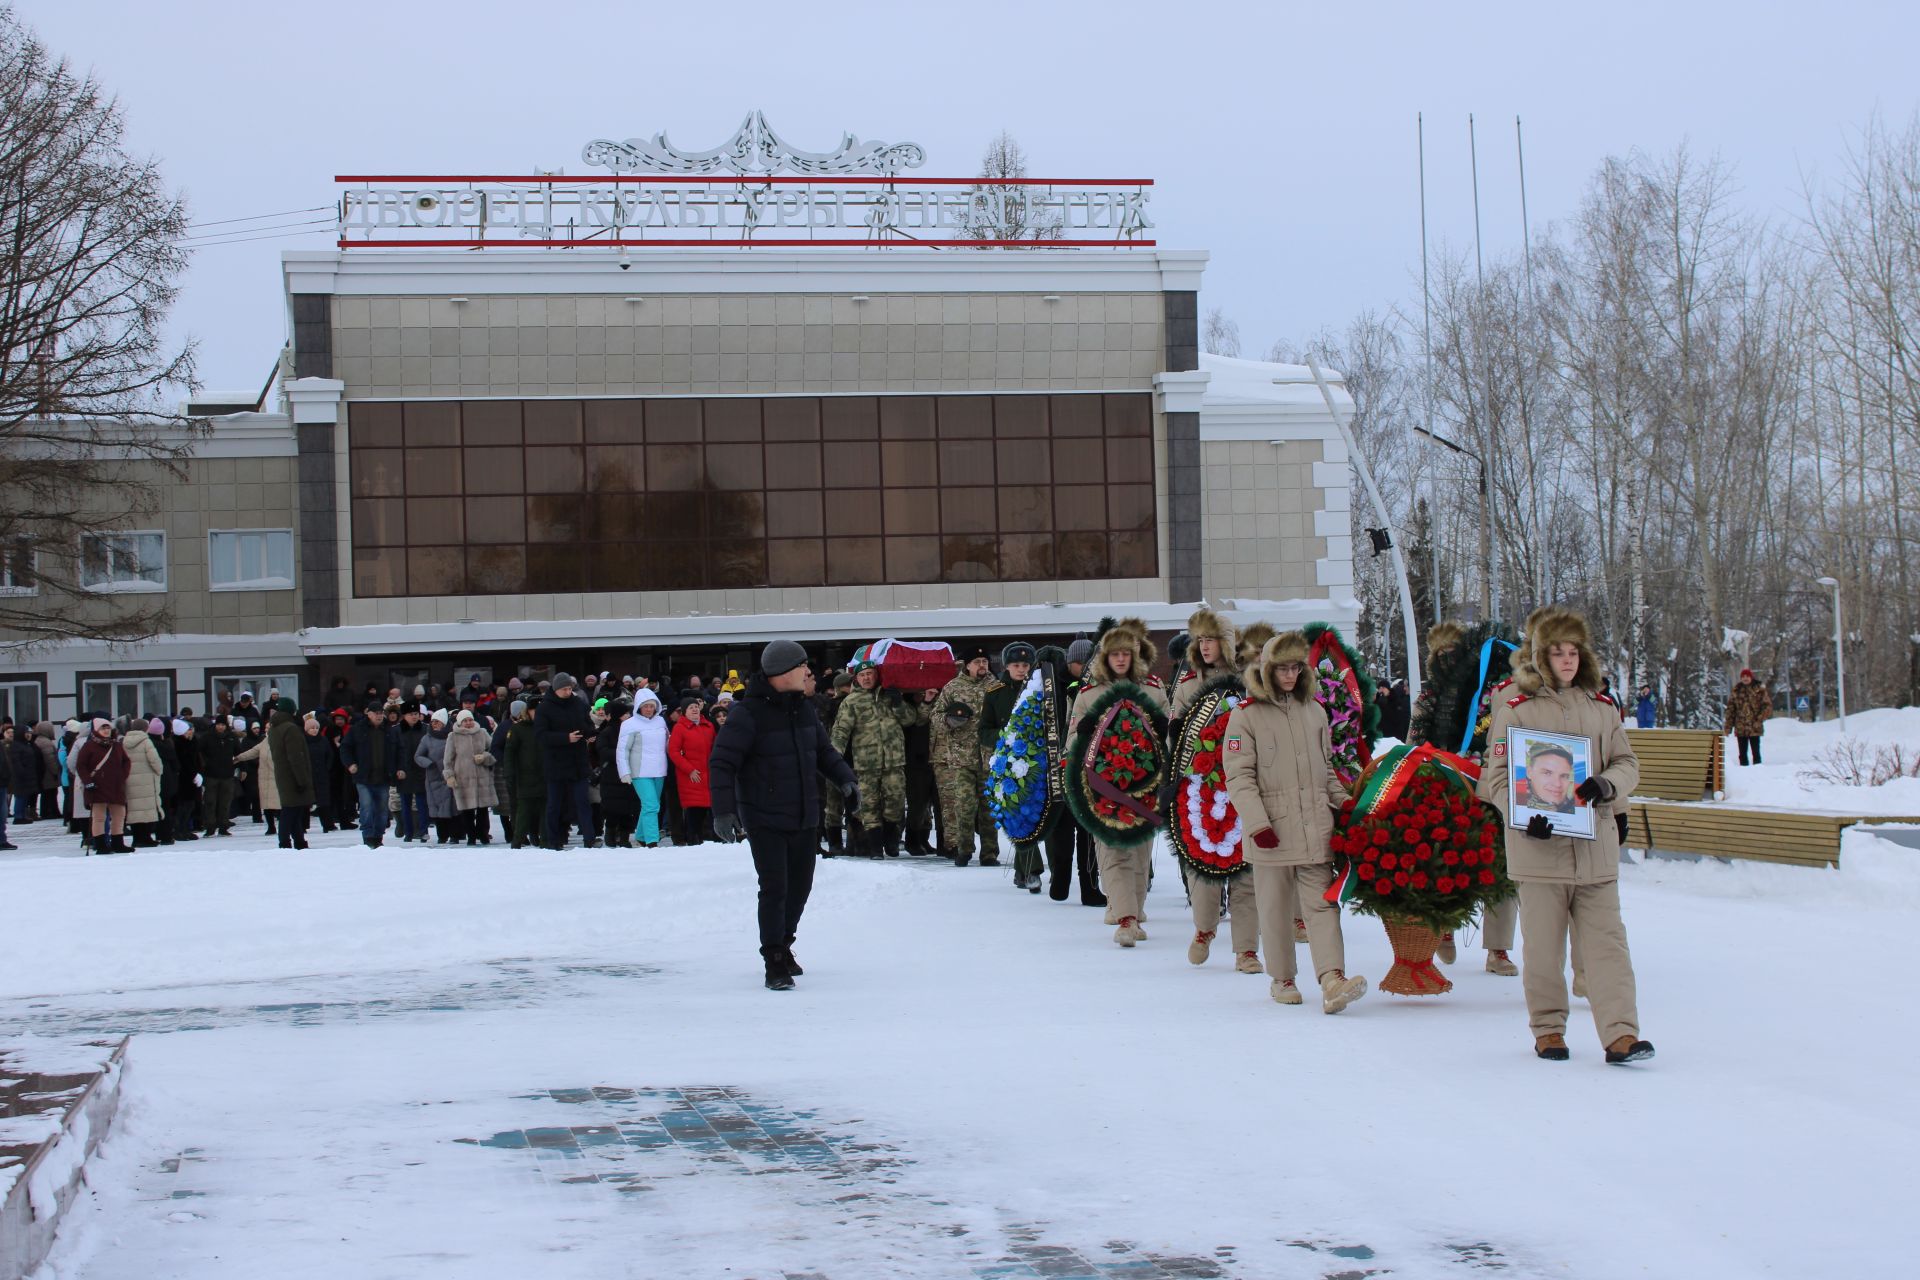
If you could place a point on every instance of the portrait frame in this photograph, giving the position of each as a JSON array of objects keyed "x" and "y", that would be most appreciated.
[{"x": 1571, "y": 816}]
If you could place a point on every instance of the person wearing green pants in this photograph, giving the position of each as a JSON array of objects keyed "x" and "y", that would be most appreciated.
[{"x": 642, "y": 753}]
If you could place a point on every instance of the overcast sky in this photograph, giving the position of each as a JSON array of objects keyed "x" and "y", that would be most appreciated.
[{"x": 1280, "y": 135}]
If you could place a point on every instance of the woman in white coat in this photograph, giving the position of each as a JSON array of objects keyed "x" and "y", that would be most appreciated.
[{"x": 642, "y": 757}]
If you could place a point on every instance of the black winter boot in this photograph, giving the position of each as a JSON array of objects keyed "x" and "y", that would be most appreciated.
[
  {"x": 890, "y": 837},
  {"x": 778, "y": 979},
  {"x": 793, "y": 966}
]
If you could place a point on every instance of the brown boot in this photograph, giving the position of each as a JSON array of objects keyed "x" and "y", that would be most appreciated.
[
  {"x": 1249, "y": 962},
  {"x": 1202, "y": 944},
  {"x": 1499, "y": 962},
  {"x": 1299, "y": 929},
  {"x": 1627, "y": 1049},
  {"x": 1553, "y": 1048},
  {"x": 1446, "y": 953}
]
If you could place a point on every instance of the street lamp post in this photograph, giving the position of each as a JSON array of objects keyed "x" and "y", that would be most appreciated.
[{"x": 1839, "y": 649}]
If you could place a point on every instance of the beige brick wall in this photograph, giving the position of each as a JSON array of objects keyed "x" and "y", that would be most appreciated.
[
  {"x": 1258, "y": 505},
  {"x": 388, "y": 347},
  {"x": 218, "y": 493}
]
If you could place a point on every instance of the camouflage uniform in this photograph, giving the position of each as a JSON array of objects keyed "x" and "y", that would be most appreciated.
[
  {"x": 828, "y": 707},
  {"x": 870, "y": 730},
  {"x": 960, "y": 765}
]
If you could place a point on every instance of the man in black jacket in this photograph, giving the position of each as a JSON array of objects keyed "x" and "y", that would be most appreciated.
[
  {"x": 216, "y": 767},
  {"x": 563, "y": 727},
  {"x": 409, "y": 779},
  {"x": 764, "y": 771},
  {"x": 371, "y": 751}
]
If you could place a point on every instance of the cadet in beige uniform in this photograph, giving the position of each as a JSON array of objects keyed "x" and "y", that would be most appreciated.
[
  {"x": 1124, "y": 653},
  {"x": 1210, "y": 656},
  {"x": 1278, "y": 753},
  {"x": 1565, "y": 881}
]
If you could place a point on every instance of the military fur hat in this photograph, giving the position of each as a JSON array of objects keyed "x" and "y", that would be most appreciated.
[
  {"x": 1545, "y": 628},
  {"x": 1442, "y": 636},
  {"x": 1205, "y": 622},
  {"x": 1252, "y": 640},
  {"x": 1018, "y": 651},
  {"x": 1051, "y": 653},
  {"x": 1130, "y": 634},
  {"x": 1263, "y": 683}
]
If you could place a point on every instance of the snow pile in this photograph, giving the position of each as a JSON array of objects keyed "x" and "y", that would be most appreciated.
[{"x": 1790, "y": 747}]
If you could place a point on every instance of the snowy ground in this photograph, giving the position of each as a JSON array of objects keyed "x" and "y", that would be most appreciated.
[{"x": 483, "y": 1063}]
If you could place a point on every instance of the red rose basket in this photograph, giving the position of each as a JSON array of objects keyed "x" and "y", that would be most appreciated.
[{"x": 1422, "y": 853}]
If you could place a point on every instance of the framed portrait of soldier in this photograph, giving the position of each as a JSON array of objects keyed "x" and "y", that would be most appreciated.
[{"x": 1543, "y": 770}]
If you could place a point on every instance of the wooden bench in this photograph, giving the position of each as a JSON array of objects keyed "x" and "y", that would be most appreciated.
[
  {"x": 1680, "y": 764},
  {"x": 1788, "y": 836}
]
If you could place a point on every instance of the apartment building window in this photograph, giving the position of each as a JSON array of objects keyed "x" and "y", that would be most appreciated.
[
  {"x": 17, "y": 576},
  {"x": 132, "y": 561},
  {"x": 250, "y": 560},
  {"x": 23, "y": 700},
  {"x": 134, "y": 696}
]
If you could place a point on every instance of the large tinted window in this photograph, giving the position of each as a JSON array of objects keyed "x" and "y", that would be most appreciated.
[{"x": 541, "y": 496}]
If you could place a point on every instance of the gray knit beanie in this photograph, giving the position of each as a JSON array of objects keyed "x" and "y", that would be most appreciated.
[
  {"x": 518, "y": 709},
  {"x": 564, "y": 681},
  {"x": 1080, "y": 650},
  {"x": 781, "y": 657}
]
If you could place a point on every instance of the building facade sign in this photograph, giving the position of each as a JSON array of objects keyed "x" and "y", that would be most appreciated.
[{"x": 754, "y": 189}]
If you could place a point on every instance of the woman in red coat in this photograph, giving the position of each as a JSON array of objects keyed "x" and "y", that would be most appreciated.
[{"x": 688, "y": 748}]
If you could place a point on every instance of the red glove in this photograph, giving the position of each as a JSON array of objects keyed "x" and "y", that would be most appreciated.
[{"x": 1265, "y": 838}]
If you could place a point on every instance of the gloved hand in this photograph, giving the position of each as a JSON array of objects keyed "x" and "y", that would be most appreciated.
[
  {"x": 1539, "y": 828},
  {"x": 1086, "y": 724},
  {"x": 1594, "y": 788},
  {"x": 726, "y": 828},
  {"x": 1265, "y": 838},
  {"x": 1168, "y": 791},
  {"x": 851, "y": 794},
  {"x": 891, "y": 695},
  {"x": 1620, "y": 820}
]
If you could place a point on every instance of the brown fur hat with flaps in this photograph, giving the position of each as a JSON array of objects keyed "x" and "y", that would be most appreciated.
[
  {"x": 1263, "y": 683},
  {"x": 1252, "y": 641},
  {"x": 1205, "y": 623},
  {"x": 1128, "y": 633},
  {"x": 1442, "y": 636},
  {"x": 1545, "y": 628}
]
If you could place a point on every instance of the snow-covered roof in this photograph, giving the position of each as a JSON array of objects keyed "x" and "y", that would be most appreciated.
[{"x": 1247, "y": 382}]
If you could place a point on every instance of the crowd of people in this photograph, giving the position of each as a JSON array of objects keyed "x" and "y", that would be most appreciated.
[
  {"x": 619, "y": 758},
  {"x": 623, "y": 762}
]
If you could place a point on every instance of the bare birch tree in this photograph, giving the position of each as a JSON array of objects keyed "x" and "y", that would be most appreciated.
[{"x": 89, "y": 265}]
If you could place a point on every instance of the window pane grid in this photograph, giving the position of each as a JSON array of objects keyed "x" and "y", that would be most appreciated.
[
  {"x": 539, "y": 497},
  {"x": 250, "y": 559}
]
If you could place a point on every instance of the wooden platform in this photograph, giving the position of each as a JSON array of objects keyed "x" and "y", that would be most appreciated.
[
  {"x": 1761, "y": 835},
  {"x": 1680, "y": 764}
]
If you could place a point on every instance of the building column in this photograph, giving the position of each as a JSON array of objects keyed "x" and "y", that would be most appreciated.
[
  {"x": 315, "y": 404},
  {"x": 1178, "y": 396}
]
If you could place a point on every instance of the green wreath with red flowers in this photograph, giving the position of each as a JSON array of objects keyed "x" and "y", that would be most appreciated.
[{"x": 1115, "y": 764}]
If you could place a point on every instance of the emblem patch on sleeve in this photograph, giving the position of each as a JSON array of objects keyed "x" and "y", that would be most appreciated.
[
  {"x": 1233, "y": 744},
  {"x": 1500, "y": 748}
]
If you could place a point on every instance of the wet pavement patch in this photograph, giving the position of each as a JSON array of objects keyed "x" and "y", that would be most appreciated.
[
  {"x": 321, "y": 1000},
  {"x": 634, "y": 1140}
]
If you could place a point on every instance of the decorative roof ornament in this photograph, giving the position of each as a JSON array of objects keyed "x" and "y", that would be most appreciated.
[{"x": 755, "y": 150}]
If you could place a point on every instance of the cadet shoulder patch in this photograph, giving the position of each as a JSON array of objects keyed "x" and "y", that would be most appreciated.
[
  {"x": 1190, "y": 675},
  {"x": 1514, "y": 702}
]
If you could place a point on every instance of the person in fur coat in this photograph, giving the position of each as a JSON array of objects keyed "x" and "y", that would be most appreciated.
[
  {"x": 1278, "y": 752},
  {"x": 1565, "y": 881}
]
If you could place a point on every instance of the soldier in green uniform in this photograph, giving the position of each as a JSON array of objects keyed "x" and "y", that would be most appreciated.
[
  {"x": 960, "y": 762},
  {"x": 870, "y": 730}
]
